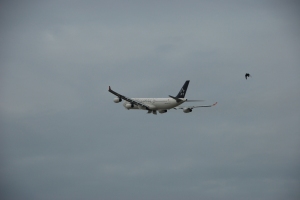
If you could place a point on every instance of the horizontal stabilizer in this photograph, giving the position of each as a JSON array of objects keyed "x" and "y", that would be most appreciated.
[
  {"x": 177, "y": 99},
  {"x": 193, "y": 100}
]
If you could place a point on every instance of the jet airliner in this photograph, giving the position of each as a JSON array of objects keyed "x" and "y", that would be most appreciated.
[{"x": 162, "y": 105}]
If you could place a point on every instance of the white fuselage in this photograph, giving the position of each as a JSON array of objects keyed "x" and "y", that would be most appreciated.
[{"x": 154, "y": 103}]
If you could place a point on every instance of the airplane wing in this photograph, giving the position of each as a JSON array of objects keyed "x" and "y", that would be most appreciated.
[
  {"x": 205, "y": 105},
  {"x": 128, "y": 99},
  {"x": 192, "y": 107}
]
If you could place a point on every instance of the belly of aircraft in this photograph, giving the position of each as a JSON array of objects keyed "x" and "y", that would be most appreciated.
[
  {"x": 164, "y": 104},
  {"x": 157, "y": 103}
]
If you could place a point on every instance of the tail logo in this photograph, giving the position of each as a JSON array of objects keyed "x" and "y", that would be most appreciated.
[{"x": 182, "y": 92}]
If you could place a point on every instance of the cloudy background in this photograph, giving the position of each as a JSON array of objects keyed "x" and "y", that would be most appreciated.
[{"x": 63, "y": 137}]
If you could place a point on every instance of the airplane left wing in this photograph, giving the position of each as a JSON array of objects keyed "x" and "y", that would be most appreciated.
[{"x": 128, "y": 99}]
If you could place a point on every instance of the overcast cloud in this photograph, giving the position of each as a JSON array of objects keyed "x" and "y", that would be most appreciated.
[{"x": 63, "y": 137}]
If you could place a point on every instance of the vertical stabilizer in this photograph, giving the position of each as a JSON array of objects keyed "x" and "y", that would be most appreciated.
[{"x": 183, "y": 90}]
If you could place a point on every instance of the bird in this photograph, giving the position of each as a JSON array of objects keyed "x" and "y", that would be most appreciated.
[{"x": 247, "y": 75}]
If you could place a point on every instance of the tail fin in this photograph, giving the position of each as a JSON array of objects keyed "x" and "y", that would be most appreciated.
[{"x": 182, "y": 92}]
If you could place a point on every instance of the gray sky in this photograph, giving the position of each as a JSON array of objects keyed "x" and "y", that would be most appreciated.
[{"x": 63, "y": 137}]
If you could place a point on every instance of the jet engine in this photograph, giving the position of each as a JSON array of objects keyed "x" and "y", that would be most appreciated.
[
  {"x": 162, "y": 111},
  {"x": 129, "y": 106},
  {"x": 117, "y": 100},
  {"x": 187, "y": 110}
]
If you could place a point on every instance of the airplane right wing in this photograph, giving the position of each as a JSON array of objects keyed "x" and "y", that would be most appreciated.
[
  {"x": 128, "y": 99},
  {"x": 190, "y": 108},
  {"x": 205, "y": 105}
]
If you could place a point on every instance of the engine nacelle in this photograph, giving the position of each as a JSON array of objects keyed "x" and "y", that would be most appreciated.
[
  {"x": 129, "y": 106},
  {"x": 162, "y": 111},
  {"x": 117, "y": 100},
  {"x": 187, "y": 110}
]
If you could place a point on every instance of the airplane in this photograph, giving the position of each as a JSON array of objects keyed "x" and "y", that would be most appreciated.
[{"x": 162, "y": 105}]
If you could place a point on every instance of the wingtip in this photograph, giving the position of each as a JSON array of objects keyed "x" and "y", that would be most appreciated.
[
  {"x": 109, "y": 88},
  {"x": 215, "y": 104}
]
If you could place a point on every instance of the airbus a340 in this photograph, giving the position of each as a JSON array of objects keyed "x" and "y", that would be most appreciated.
[{"x": 162, "y": 105}]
